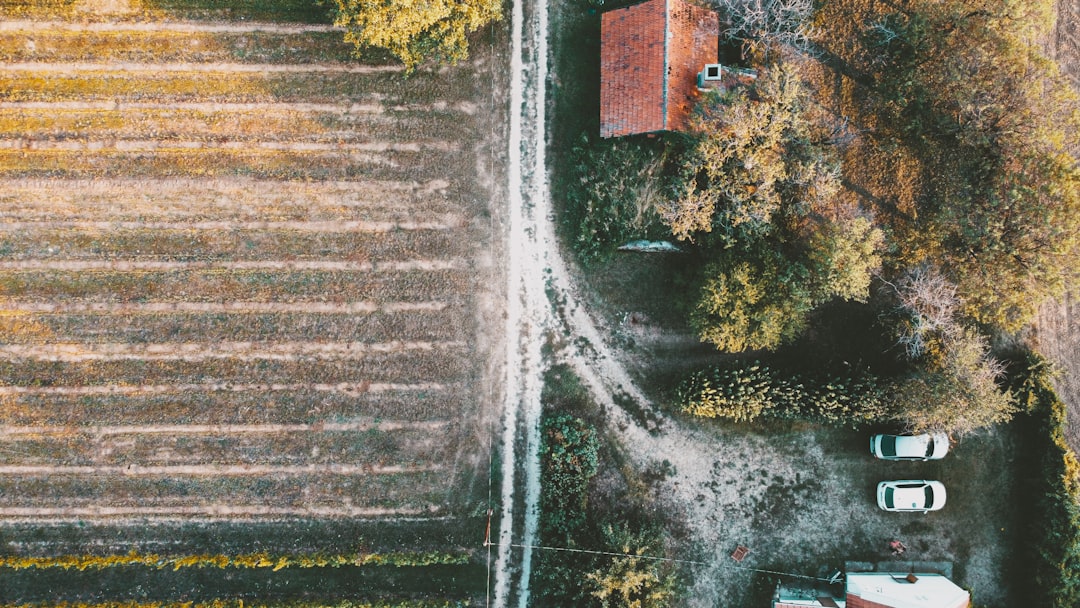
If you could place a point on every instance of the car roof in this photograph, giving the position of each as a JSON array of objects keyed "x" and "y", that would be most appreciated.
[
  {"x": 906, "y": 497},
  {"x": 911, "y": 445}
]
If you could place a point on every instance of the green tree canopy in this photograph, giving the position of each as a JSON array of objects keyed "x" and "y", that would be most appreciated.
[
  {"x": 995, "y": 128},
  {"x": 752, "y": 301},
  {"x": 415, "y": 30}
]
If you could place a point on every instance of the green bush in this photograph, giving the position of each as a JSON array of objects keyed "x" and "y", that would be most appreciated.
[{"x": 569, "y": 452}]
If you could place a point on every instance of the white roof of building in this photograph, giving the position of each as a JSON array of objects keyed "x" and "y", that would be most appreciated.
[{"x": 894, "y": 589}]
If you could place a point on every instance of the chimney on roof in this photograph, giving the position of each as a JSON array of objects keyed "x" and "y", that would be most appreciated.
[{"x": 710, "y": 76}]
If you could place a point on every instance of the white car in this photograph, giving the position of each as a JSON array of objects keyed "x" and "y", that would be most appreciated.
[
  {"x": 911, "y": 495},
  {"x": 910, "y": 447}
]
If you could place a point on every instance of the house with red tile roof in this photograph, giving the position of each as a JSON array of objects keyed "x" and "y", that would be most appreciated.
[{"x": 650, "y": 57}]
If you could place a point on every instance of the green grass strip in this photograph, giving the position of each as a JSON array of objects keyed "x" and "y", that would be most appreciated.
[{"x": 248, "y": 560}]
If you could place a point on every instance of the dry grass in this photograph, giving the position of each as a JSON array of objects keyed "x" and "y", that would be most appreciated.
[
  {"x": 175, "y": 47},
  {"x": 388, "y": 88},
  {"x": 269, "y": 124}
]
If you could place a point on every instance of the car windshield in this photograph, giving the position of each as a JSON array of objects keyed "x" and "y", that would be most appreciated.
[
  {"x": 888, "y": 445},
  {"x": 929, "y": 447},
  {"x": 929, "y": 496},
  {"x": 889, "y": 497}
]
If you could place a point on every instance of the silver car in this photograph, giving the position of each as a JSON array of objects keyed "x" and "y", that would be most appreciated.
[
  {"x": 910, "y": 447},
  {"x": 911, "y": 495}
]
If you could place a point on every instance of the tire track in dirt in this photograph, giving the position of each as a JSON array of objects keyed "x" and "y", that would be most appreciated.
[
  {"x": 267, "y": 265},
  {"x": 144, "y": 145},
  {"x": 447, "y": 223},
  {"x": 348, "y": 388},
  {"x": 9, "y": 432},
  {"x": 215, "y": 470},
  {"x": 77, "y": 68},
  {"x": 14, "y": 308},
  {"x": 193, "y": 351},
  {"x": 161, "y": 26}
]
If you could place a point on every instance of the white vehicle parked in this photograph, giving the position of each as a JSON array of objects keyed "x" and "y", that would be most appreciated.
[
  {"x": 910, "y": 495},
  {"x": 910, "y": 447}
]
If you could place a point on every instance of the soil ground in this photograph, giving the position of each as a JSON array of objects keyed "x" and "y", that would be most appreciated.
[{"x": 247, "y": 282}]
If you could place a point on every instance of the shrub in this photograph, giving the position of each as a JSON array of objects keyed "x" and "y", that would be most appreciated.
[
  {"x": 745, "y": 393},
  {"x": 570, "y": 455}
]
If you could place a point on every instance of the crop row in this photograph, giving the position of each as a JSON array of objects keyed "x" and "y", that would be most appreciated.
[
  {"x": 402, "y": 367},
  {"x": 51, "y": 493},
  {"x": 222, "y": 163},
  {"x": 210, "y": 285},
  {"x": 271, "y": 124},
  {"x": 435, "y": 326},
  {"x": 175, "y": 47},
  {"x": 401, "y": 447},
  {"x": 303, "y": 11},
  {"x": 205, "y": 245},
  {"x": 223, "y": 200},
  {"x": 249, "y": 560},
  {"x": 192, "y": 243},
  {"x": 386, "y": 88},
  {"x": 244, "y": 404}
]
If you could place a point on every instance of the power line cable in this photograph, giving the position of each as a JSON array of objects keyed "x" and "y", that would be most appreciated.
[{"x": 665, "y": 559}]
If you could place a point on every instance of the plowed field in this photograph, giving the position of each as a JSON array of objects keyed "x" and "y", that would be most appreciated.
[{"x": 243, "y": 275}]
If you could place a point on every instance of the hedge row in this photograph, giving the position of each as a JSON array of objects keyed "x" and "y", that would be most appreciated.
[
  {"x": 753, "y": 390},
  {"x": 249, "y": 560},
  {"x": 1049, "y": 487}
]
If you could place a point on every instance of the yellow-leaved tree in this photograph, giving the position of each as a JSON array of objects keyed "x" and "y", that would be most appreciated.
[{"x": 415, "y": 31}]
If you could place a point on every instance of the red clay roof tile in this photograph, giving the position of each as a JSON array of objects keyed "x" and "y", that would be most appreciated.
[{"x": 650, "y": 55}]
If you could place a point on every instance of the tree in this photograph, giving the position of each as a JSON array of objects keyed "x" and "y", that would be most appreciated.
[
  {"x": 993, "y": 129},
  {"x": 954, "y": 388},
  {"x": 753, "y": 157},
  {"x": 763, "y": 24},
  {"x": 843, "y": 256},
  {"x": 632, "y": 581},
  {"x": 415, "y": 30},
  {"x": 751, "y": 301}
]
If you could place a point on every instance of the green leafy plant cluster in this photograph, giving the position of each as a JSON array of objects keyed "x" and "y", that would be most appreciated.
[
  {"x": 570, "y": 455},
  {"x": 248, "y": 560},
  {"x": 750, "y": 391},
  {"x": 1050, "y": 517}
]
